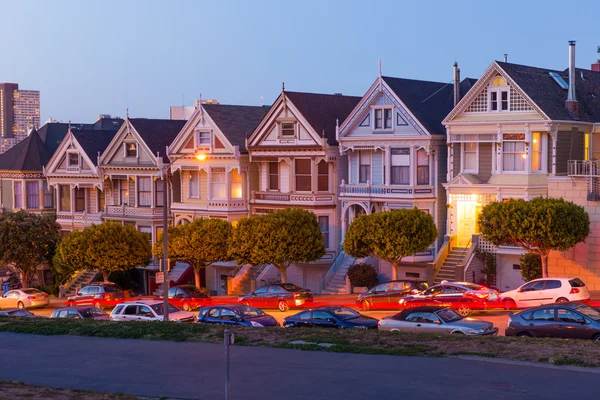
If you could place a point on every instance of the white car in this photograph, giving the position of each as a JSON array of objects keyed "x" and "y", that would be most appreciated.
[
  {"x": 24, "y": 298},
  {"x": 544, "y": 291},
  {"x": 148, "y": 310}
]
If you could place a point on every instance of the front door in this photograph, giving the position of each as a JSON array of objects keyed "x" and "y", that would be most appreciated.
[{"x": 466, "y": 219}]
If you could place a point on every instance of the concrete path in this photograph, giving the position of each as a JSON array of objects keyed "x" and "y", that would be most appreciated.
[{"x": 194, "y": 370}]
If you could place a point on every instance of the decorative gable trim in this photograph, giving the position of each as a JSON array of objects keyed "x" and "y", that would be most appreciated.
[
  {"x": 70, "y": 145},
  {"x": 128, "y": 133}
]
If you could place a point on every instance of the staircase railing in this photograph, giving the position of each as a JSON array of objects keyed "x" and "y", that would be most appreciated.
[
  {"x": 439, "y": 260},
  {"x": 465, "y": 259},
  {"x": 328, "y": 276}
]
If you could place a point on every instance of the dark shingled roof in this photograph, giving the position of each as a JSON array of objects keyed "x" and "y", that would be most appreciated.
[
  {"x": 157, "y": 133},
  {"x": 322, "y": 110},
  {"x": 93, "y": 142},
  {"x": 429, "y": 102},
  {"x": 236, "y": 121},
  {"x": 30, "y": 154},
  {"x": 550, "y": 97}
]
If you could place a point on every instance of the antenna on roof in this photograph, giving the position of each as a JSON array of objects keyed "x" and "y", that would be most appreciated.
[
  {"x": 323, "y": 133},
  {"x": 182, "y": 100},
  {"x": 283, "y": 86},
  {"x": 379, "y": 67},
  {"x": 262, "y": 101},
  {"x": 127, "y": 113},
  {"x": 505, "y": 57}
]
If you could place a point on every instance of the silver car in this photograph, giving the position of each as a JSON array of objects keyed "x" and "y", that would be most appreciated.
[
  {"x": 24, "y": 298},
  {"x": 148, "y": 310},
  {"x": 435, "y": 319}
]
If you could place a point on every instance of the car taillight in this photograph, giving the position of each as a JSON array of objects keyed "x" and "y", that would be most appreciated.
[
  {"x": 31, "y": 297},
  {"x": 105, "y": 295},
  {"x": 574, "y": 290}
]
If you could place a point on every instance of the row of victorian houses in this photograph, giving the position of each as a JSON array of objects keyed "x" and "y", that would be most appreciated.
[{"x": 445, "y": 148}]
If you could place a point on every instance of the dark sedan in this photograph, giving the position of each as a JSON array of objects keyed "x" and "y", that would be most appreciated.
[
  {"x": 282, "y": 296},
  {"x": 386, "y": 295},
  {"x": 330, "y": 317},
  {"x": 80, "y": 312},
  {"x": 18, "y": 312},
  {"x": 235, "y": 315},
  {"x": 563, "y": 320},
  {"x": 188, "y": 297}
]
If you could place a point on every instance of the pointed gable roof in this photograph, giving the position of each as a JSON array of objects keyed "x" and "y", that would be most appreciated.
[
  {"x": 550, "y": 97},
  {"x": 93, "y": 141},
  {"x": 28, "y": 155},
  {"x": 429, "y": 102},
  {"x": 236, "y": 121},
  {"x": 157, "y": 133},
  {"x": 322, "y": 110}
]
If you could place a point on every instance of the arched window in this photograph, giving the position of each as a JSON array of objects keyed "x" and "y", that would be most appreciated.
[{"x": 499, "y": 95}]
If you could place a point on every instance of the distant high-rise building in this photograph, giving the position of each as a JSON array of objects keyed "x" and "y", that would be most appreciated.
[{"x": 19, "y": 114}]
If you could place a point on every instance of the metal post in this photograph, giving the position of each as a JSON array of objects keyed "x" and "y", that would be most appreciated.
[
  {"x": 227, "y": 340},
  {"x": 165, "y": 247}
]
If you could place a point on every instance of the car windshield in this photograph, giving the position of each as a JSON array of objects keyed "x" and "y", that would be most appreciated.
[
  {"x": 158, "y": 309},
  {"x": 588, "y": 311},
  {"x": 290, "y": 287},
  {"x": 30, "y": 291},
  {"x": 344, "y": 313},
  {"x": 448, "y": 315},
  {"x": 91, "y": 312},
  {"x": 195, "y": 291},
  {"x": 111, "y": 288},
  {"x": 473, "y": 286},
  {"x": 250, "y": 312}
]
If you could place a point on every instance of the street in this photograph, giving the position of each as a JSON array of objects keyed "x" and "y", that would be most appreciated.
[{"x": 196, "y": 370}]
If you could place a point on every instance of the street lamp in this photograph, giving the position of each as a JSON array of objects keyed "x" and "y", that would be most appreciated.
[{"x": 165, "y": 170}]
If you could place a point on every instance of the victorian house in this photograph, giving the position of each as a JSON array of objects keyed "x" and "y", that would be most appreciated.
[
  {"x": 212, "y": 173},
  {"x": 396, "y": 153},
  {"x": 295, "y": 151},
  {"x": 511, "y": 135}
]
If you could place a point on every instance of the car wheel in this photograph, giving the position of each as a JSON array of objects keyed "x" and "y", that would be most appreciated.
[
  {"x": 562, "y": 300},
  {"x": 596, "y": 338},
  {"x": 458, "y": 333},
  {"x": 282, "y": 305},
  {"x": 186, "y": 307},
  {"x": 289, "y": 325},
  {"x": 527, "y": 334},
  {"x": 366, "y": 306},
  {"x": 464, "y": 311},
  {"x": 20, "y": 305},
  {"x": 509, "y": 304}
]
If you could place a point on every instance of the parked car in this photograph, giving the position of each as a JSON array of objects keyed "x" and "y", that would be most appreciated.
[
  {"x": 464, "y": 297},
  {"x": 564, "y": 320},
  {"x": 236, "y": 314},
  {"x": 24, "y": 298},
  {"x": 435, "y": 319},
  {"x": 80, "y": 312},
  {"x": 545, "y": 291},
  {"x": 148, "y": 310},
  {"x": 188, "y": 297},
  {"x": 19, "y": 312},
  {"x": 330, "y": 317},
  {"x": 11, "y": 283},
  {"x": 386, "y": 295},
  {"x": 281, "y": 295},
  {"x": 98, "y": 294}
]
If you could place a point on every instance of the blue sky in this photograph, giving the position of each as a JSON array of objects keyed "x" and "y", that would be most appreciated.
[{"x": 92, "y": 57}]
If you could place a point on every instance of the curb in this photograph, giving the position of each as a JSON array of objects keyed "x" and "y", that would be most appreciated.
[{"x": 590, "y": 370}]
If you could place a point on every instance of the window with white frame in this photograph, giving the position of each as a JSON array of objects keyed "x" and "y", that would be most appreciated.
[
  {"x": 101, "y": 199},
  {"x": 159, "y": 192},
  {"x": 131, "y": 149},
  {"x": 18, "y": 195},
  {"x": 194, "y": 185},
  {"x": 121, "y": 191},
  {"x": 323, "y": 176},
  {"x": 364, "y": 166},
  {"x": 73, "y": 160},
  {"x": 64, "y": 192},
  {"x": 32, "y": 190},
  {"x": 499, "y": 91},
  {"x": 218, "y": 188},
  {"x": 236, "y": 184},
  {"x": 324, "y": 225},
  {"x": 303, "y": 175},
  {"x": 203, "y": 139},
  {"x": 79, "y": 200},
  {"x": 422, "y": 167},
  {"x": 470, "y": 157},
  {"x": 144, "y": 191},
  {"x": 48, "y": 195},
  {"x": 513, "y": 152},
  {"x": 383, "y": 118},
  {"x": 288, "y": 129},
  {"x": 536, "y": 152},
  {"x": 400, "y": 171},
  {"x": 273, "y": 175}
]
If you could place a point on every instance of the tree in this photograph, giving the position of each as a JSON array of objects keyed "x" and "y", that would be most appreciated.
[
  {"x": 27, "y": 240},
  {"x": 107, "y": 247},
  {"x": 68, "y": 258},
  {"x": 280, "y": 238},
  {"x": 200, "y": 243},
  {"x": 537, "y": 226},
  {"x": 531, "y": 266},
  {"x": 390, "y": 235}
]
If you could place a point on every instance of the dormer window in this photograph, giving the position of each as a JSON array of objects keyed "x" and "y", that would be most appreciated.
[
  {"x": 499, "y": 95},
  {"x": 383, "y": 118},
  {"x": 131, "y": 149},
  {"x": 288, "y": 129},
  {"x": 203, "y": 139},
  {"x": 72, "y": 161}
]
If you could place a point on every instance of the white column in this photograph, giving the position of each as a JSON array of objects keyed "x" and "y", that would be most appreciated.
[
  {"x": 152, "y": 193},
  {"x": 413, "y": 166},
  {"x": 41, "y": 204},
  {"x": 228, "y": 172},
  {"x": 388, "y": 165},
  {"x": 313, "y": 176},
  {"x": 554, "y": 139},
  {"x": 450, "y": 162}
]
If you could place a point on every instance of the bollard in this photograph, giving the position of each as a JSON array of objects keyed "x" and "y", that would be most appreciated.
[{"x": 228, "y": 341}]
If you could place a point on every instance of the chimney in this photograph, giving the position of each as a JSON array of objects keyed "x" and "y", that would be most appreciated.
[
  {"x": 505, "y": 57},
  {"x": 456, "y": 84},
  {"x": 571, "y": 104},
  {"x": 596, "y": 66}
]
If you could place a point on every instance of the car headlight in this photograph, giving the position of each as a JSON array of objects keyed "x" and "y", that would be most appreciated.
[
  {"x": 254, "y": 323},
  {"x": 401, "y": 301}
]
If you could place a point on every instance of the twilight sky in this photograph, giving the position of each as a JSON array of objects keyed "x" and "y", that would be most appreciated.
[{"x": 92, "y": 57}]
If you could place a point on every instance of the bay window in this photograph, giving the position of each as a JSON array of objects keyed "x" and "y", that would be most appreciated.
[
  {"x": 33, "y": 194},
  {"x": 400, "y": 171},
  {"x": 159, "y": 192},
  {"x": 79, "y": 200},
  {"x": 364, "y": 166},
  {"x": 513, "y": 156},
  {"x": 536, "y": 152},
  {"x": 323, "y": 177},
  {"x": 64, "y": 192},
  {"x": 303, "y": 175},
  {"x": 18, "y": 194},
  {"x": 194, "y": 185},
  {"x": 144, "y": 191},
  {"x": 273, "y": 175},
  {"x": 101, "y": 200},
  {"x": 470, "y": 157},
  {"x": 422, "y": 167},
  {"x": 218, "y": 188},
  {"x": 324, "y": 225},
  {"x": 48, "y": 195},
  {"x": 236, "y": 184}
]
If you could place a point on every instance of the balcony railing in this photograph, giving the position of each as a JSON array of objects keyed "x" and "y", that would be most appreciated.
[
  {"x": 127, "y": 211},
  {"x": 79, "y": 217},
  {"x": 584, "y": 168},
  {"x": 392, "y": 191},
  {"x": 293, "y": 198}
]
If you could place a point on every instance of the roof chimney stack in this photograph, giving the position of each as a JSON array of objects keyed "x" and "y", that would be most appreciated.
[
  {"x": 456, "y": 84},
  {"x": 505, "y": 57},
  {"x": 571, "y": 104}
]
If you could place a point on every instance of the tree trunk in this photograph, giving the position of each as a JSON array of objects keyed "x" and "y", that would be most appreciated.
[
  {"x": 197, "y": 277},
  {"x": 105, "y": 275},
  {"x": 394, "y": 271},
  {"x": 544, "y": 258},
  {"x": 25, "y": 279},
  {"x": 283, "y": 272}
]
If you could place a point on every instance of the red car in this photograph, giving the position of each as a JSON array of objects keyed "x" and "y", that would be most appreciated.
[
  {"x": 188, "y": 297},
  {"x": 100, "y": 294},
  {"x": 463, "y": 297}
]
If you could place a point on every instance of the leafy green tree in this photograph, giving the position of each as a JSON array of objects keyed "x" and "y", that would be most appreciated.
[
  {"x": 390, "y": 235},
  {"x": 245, "y": 240},
  {"x": 199, "y": 243},
  {"x": 68, "y": 258},
  {"x": 106, "y": 247},
  {"x": 27, "y": 240},
  {"x": 531, "y": 266},
  {"x": 537, "y": 226}
]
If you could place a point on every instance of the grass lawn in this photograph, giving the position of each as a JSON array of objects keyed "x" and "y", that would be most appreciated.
[
  {"x": 18, "y": 390},
  {"x": 552, "y": 351}
]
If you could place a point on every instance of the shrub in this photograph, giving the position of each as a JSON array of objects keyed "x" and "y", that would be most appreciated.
[
  {"x": 362, "y": 274},
  {"x": 531, "y": 266},
  {"x": 489, "y": 265}
]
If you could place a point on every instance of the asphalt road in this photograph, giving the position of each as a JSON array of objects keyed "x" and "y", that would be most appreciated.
[{"x": 196, "y": 371}]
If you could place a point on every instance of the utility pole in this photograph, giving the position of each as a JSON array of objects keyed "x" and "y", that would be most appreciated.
[{"x": 165, "y": 246}]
